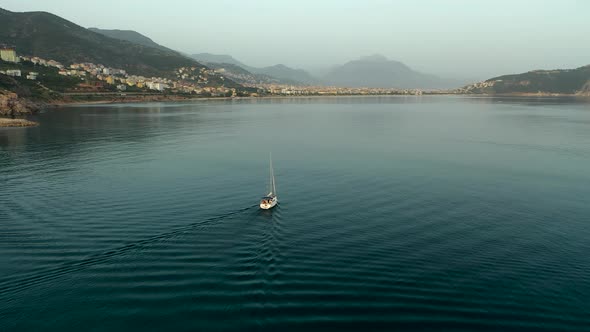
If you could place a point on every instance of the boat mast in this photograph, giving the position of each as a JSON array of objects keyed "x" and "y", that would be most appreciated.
[{"x": 273, "y": 189}]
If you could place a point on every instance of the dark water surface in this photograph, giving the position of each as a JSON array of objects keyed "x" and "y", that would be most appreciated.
[{"x": 431, "y": 213}]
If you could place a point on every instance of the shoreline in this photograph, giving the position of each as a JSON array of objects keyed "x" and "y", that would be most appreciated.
[
  {"x": 17, "y": 123},
  {"x": 180, "y": 98},
  {"x": 23, "y": 123}
]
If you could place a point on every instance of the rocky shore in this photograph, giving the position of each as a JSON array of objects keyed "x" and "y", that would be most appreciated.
[
  {"x": 6, "y": 122},
  {"x": 13, "y": 109},
  {"x": 12, "y": 105}
]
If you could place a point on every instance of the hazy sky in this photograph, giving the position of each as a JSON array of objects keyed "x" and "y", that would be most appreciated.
[{"x": 454, "y": 38}]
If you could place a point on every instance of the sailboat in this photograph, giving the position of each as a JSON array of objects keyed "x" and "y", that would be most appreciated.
[{"x": 269, "y": 201}]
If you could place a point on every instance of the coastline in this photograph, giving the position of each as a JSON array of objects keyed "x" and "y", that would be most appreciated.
[
  {"x": 23, "y": 123},
  {"x": 182, "y": 98},
  {"x": 18, "y": 123}
]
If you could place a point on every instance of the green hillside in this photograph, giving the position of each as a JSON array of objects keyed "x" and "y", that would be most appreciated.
[
  {"x": 130, "y": 36},
  {"x": 561, "y": 81},
  {"x": 48, "y": 36},
  {"x": 46, "y": 87}
]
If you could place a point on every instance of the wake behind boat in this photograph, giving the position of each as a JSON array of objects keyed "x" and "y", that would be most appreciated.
[{"x": 269, "y": 201}]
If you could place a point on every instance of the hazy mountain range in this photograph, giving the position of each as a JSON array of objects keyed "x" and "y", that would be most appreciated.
[
  {"x": 377, "y": 71},
  {"x": 280, "y": 72},
  {"x": 218, "y": 58},
  {"x": 52, "y": 37},
  {"x": 374, "y": 71},
  {"x": 49, "y": 36}
]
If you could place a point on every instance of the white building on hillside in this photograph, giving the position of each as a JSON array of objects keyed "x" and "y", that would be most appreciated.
[
  {"x": 32, "y": 75},
  {"x": 13, "y": 72},
  {"x": 8, "y": 54}
]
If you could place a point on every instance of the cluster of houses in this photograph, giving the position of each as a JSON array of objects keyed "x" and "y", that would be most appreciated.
[
  {"x": 199, "y": 75},
  {"x": 289, "y": 90},
  {"x": 42, "y": 62},
  {"x": 8, "y": 54},
  {"x": 191, "y": 80},
  {"x": 478, "y": 87},
  {"x": 11, "y": 72},
  {"x": 114, "y": 76},
  {"x": 32, "y": 75}
]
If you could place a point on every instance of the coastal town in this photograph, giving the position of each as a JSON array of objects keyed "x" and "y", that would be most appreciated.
[
  {"x": 196, "y": 81},
  {"x": 315, "y": 90},
  {"x": 99, "y": 78}
]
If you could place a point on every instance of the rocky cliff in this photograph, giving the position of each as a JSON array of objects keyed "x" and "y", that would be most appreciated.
[{"x": 13, "y": 106}]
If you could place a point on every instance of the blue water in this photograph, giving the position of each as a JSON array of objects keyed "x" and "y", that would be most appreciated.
[{"x": 395, "y": 213}]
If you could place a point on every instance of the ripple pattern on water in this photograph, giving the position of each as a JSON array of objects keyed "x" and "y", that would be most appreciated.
[{"x": 143, "y": 217}]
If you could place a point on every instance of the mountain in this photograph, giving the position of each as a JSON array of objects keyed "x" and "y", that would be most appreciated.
[
  {"x": 559, "y": 81},
  {"x": 241, "y": 75},
  {"x": 130, "y": 36},
  {"x": 225, "y": 65},
  {"x": 377, "y": 71},
  {"x": 287, "y": 74},
  {"x": 218, "y": 58},
  {"x": 49, "y": 36},
  {"x": 279, "y": 74}
]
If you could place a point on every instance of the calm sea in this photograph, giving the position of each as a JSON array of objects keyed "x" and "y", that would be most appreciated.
[{"x": 395, "y": 213}]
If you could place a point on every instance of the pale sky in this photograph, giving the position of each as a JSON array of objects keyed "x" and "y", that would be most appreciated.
[{"x": 453, "y": 38}]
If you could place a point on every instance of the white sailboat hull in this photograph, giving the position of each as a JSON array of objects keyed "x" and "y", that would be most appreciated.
[
  {"x": 269, "y": 204},
  {"x": 269, "y": 201}
]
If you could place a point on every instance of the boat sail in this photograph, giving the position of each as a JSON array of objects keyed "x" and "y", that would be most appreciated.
[{"x": 269, "y": 201}]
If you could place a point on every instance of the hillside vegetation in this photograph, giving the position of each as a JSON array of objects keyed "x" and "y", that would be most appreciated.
[
  {"x": 562, "y": 81},
  {"x": 49, "y": 36}
]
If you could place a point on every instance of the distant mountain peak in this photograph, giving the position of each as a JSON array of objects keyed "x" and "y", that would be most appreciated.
[
  {"x": 282, "y": 73},
  {"x": 374, "y": 58},
  {"x": 130, "y": 36},
  {"x": 279, "y": 66},
  {"x": 119, "y": 31},
  {"x": 377, "y": 71},
  {"x": 287, "y": 74},
  {"x": 217, "y": 58}
]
